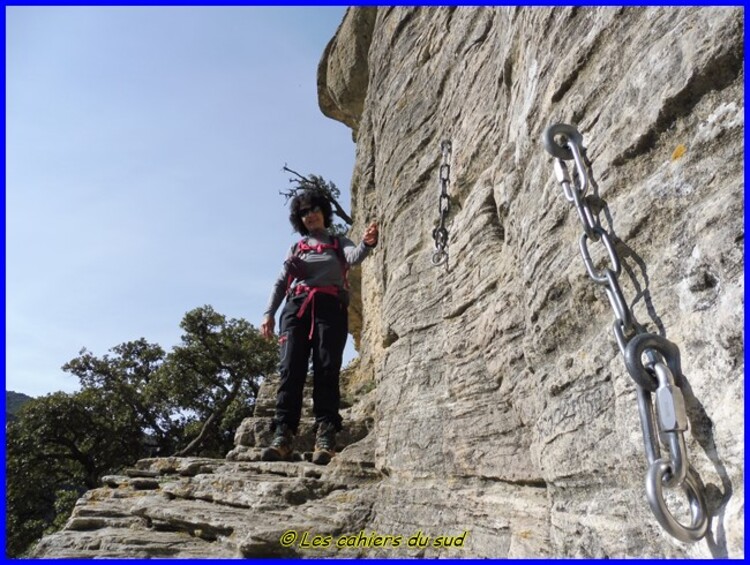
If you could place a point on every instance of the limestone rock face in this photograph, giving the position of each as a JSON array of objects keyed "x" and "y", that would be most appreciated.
[
  {"x": 501, "y": 371},
  {"x": 343, "y": 72},
  {"x": 491, "y": 413}
]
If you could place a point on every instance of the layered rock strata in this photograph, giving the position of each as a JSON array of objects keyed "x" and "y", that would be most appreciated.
[{"x": 502, "y": 369}]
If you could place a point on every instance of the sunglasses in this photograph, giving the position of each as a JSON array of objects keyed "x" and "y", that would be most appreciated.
[{"x": 305, "y": 211}]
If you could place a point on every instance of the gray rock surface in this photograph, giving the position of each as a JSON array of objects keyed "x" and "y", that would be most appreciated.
[
  {"x": 490, "y": 404},
  {"x": 503, "y": 368}
]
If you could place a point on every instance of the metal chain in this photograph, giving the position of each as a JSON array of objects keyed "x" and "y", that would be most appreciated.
[
  {"x": 661, "y": 374},
  {"x": 440, "y": 233}
]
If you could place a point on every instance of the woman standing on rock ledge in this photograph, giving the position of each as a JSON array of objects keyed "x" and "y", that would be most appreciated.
[{"x": 314, "y": 318}]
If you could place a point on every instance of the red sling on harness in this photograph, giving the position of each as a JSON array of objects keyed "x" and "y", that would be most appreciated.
[
  {"x": 311, "y": 292},
  {"x": 303, "y": 246}
]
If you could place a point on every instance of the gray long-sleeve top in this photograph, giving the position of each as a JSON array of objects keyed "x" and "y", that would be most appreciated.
[{"x": 320, "y": 269}]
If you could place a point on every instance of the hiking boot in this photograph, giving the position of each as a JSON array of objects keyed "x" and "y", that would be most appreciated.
[
  {"x": 325, "y": 443},
  {"x": 281, "y": 446}
]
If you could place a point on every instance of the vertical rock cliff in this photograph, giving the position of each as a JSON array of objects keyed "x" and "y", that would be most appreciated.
[
  {"x": 503, "y": 403},
  {"x": 491, "y": 404}
]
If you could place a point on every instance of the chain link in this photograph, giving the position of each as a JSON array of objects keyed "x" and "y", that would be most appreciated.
[
  {"x": 440, "y": 233},
  {"x": 661, "y": 374}
]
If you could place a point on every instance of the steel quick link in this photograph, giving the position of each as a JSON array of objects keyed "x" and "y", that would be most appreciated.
[{"x": 660, "y": 375}]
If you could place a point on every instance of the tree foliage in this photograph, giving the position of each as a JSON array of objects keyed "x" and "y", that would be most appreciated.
[
  {"x": 215, "y": 374},
  {"x": 127, "y": 382},
  {"x": 60, "y": 443},
  {"x": 136, "y": 401}
]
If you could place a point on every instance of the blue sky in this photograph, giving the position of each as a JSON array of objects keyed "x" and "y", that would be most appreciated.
[{"x": 144, "y": 148}]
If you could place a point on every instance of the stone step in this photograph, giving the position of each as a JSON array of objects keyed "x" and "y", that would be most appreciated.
[{"x": 256, "y": 432}]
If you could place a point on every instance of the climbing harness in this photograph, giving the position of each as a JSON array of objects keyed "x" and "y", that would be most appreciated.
[
  {"x": 661, "y": 374},
  {"x": 295, "y": 270},
  {"x": 440, "y": 233}
]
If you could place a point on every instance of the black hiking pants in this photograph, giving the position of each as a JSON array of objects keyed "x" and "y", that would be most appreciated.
[{"x": 329, "y": 319}]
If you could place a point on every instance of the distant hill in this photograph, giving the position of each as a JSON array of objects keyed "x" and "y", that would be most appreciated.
[{"x": 13, "y": 403}]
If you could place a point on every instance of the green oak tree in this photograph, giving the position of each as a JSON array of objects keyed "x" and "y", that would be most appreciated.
[
  {"x": 136, "y": 401},
  {"x": 214, "y": 374},
  {"x": 59, "y": 446},
  {"x": 127, "y": 380}
]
